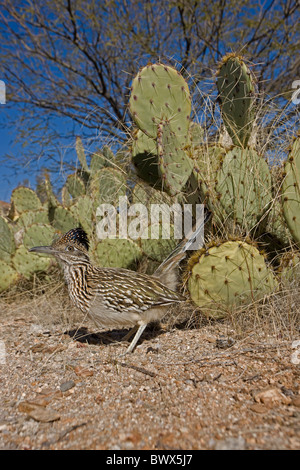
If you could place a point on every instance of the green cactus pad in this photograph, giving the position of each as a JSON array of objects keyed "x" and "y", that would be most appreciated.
[
  {"x": 81, "y": 154},
  {"x": 289, "y": 269},
  {"x": 236, "y": 86},
  {"x": 160, "y": 92},
  {"x": 244, "y": 186},
  {"x": 8, "y": 275},
  {"x": 25, "y": 199},
  {"x": 38, "y": 235},
  {"x": 227, "y": 275},
  {"x": 107, "y": 185},
  {"x": 27, "y": 263},
  {"x": 75, "y": 186},
  {"x": 82, "y": 212},
  {"x": 7, "y": 243},
  {"x": 145, "y": 159},
  {"x": 157, "y": 249},
  {"x": 174, "y": 164},
  {"x": 116, "y": 253},
  {"x": 63, "y": 219},
  {"x": 291, "y": 191},
  {"x": 33, "y": 217},
  {"x": 98, "y": 161}
]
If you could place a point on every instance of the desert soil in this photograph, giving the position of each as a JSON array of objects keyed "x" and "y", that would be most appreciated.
[{"x": 64, "y": 385}]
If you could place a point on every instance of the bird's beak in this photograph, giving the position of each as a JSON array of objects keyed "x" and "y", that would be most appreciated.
[{"x": 47, "y": 250}]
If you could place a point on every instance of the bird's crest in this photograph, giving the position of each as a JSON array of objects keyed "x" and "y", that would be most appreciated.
[{"x": 76, "y": 236}]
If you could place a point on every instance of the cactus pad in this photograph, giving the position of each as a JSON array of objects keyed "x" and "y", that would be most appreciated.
[
  {"x": 160, "y": 92},
  {"x": 236, "y": 86},
  {"x": 116, "y": 253},
  {"x": 174, "y": 165},
  {"x": 291, "y": 191},
  {"x": 38, "y": 235},
  {"x": 7, "y": 244},
  {"x": 226, "y": 275},
  {"x": 25, "y": 199},
  {"x": 245, "y": 187},
  {"x": 28, "y": 263},
  {"x": 8, "y": 275}
]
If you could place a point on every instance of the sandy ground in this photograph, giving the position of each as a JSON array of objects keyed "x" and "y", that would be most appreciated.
[{"x": 63, "y": 385}]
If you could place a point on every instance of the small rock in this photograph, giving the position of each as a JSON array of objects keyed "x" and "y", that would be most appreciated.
[
  {"x": 67, "y": 385},
  {"x": 258, "y": 408},
  {"x": 296, "y": 401},
  {"x": 38, "y": 412},
  {"x": 271, "y": 397}
]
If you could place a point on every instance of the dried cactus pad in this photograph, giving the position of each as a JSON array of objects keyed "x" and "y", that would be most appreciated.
[
  {"x": 160, "y": 92},
  {"x": 228, "y": 274},
  {"x": 291, "y": 191}
]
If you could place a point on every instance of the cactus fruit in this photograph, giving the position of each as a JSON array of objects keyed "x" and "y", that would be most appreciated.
[
  {"x": 25, "y": 199},
  {"x": 236, "y": 86},
  {"x": 27, "y": 263},
  {"x": 225, "y": 275},
  {"x": 245, "y": 187},
  {"x": 160, "y": 92},
  {"x": 116, "y": 253},
  {"x": 174, "y": 164},
  {"x": 7, "y": 244},
  {"x": 8, "y": 275},
  {"x": 291, "y": 191}
]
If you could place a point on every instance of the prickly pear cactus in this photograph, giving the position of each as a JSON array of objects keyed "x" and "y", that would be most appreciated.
[
  {"x": 225, "y": 275},
  {"x": 81, "y": 154},
  {"x": 144, "y": 157},
  {"x": 291, "y": 191},
  {"x": 160, "y": 92},
  {"x": 75, "y": 186},
  {"x": 159, "y": 248},
  {"x": 27, "y": 263},
  {"x": 25, "y": 199},
  {"x": 174, "y": 164},
  {"x": 8, "y": 275},
  {"x": 7, "y": 243},
  {"x": 38, "y": 235},
  {"x": 63, "y": 219},
  {"x": 244, "y": 186},
  {"x": 116, "y": 253},
  {"x": 236, "y": 86}
]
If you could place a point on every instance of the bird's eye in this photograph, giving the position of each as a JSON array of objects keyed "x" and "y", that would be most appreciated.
[{"x": 69, "y": 248}]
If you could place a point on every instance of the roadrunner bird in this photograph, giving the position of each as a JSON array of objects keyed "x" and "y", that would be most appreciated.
[{"x": 114, "y": 297}]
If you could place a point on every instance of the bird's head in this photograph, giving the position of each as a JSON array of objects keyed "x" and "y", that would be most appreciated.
[{"x": 69, "y": 248}]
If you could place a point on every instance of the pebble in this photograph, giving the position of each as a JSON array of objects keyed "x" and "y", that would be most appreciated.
[{"x": 67, "y": 385}]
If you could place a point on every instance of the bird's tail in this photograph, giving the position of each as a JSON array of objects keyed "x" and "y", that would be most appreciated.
[{"x": 167, "y": 270}]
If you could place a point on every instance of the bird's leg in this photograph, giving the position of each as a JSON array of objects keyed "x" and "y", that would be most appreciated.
[
  {"x": 135, "y": 339},
  {"x": 130, "y": 333}
]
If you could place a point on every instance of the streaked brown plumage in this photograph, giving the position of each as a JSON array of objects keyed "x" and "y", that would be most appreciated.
[{"x": 114, "y": 297}]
